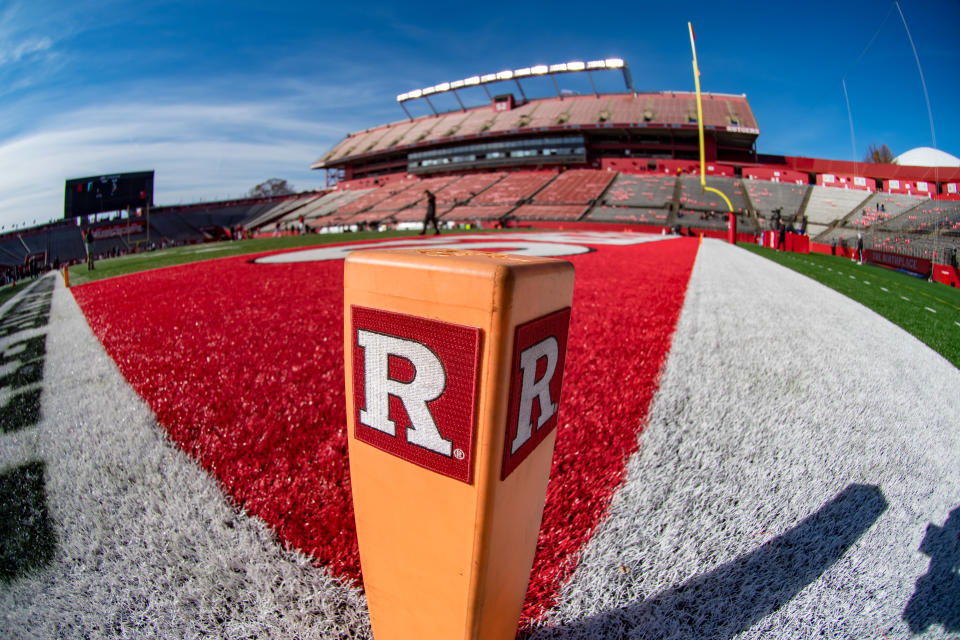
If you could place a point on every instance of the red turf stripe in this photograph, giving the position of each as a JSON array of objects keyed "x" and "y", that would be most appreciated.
[{"x": 242, "y": 364}]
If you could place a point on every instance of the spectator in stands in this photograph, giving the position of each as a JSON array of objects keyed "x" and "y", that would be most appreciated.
[
  {"x": 431, "y": 216},
  {"x": 302, "y": 225}
]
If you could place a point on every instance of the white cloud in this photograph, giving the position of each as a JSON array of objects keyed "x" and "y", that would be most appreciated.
[
  {"x": 199, "y": 152},
  {"x": 15, "y": 52}
]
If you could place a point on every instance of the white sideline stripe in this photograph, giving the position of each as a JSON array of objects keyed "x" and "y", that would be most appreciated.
[
  {"x": 147, "y": 545},
  {"x": 754, "y": 430}
]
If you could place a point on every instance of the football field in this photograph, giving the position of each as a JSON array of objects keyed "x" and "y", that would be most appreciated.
[{"x": 742, "y": 452}]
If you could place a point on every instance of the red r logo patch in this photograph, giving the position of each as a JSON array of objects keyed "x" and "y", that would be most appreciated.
[
  {"x": 536, "y": 379},
  {"x": 414, "y": 387}
]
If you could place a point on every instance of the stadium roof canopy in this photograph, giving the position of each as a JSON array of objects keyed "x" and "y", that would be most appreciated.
[{"x": 926, "y": 157}]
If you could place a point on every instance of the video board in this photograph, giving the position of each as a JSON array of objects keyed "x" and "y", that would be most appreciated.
[{"x": 114, "y": 192}]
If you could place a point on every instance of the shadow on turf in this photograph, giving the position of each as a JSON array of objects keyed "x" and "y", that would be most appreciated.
[
  {"x": 936, "y": 598},
  {"x": 735, "y": 596}
]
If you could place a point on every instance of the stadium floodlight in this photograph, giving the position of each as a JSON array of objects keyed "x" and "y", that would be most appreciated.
[{"x": 516, "y": 74}]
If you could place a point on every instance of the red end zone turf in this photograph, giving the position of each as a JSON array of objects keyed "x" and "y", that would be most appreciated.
[{"x": 243, "y": 365}]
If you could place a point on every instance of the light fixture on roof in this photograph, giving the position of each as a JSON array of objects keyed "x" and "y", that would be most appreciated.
[{"x": 524, "y": 72}]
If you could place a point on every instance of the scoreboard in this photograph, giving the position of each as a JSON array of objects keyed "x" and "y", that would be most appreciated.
[{"x": 115, "y": 192}]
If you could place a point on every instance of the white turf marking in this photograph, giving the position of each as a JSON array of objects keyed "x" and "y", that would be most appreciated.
[
  {"x": 853, "y": 277},
  {"x": 930, "y": 310},
  {"x": 866, "y": 282},
  {"x": 905, "y": 298},
  {"x": 884, "y": 289},
  {"x": 147, "y": 545},
  {"x": 736, "y": 445}
]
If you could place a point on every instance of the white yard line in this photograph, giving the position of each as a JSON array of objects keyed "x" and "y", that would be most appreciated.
[
  {"x": 147, "y": 546},
  {"x": 752, "y": 435}
]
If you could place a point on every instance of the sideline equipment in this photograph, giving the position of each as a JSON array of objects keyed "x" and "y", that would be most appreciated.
[{"x": 454, "y": 366}]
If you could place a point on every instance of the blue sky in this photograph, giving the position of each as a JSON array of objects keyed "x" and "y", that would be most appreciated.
[{"x": 217, "y": 96}]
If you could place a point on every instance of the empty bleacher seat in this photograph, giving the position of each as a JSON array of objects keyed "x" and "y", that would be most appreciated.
[
  {"x": 549, "y": 212},
  {"x": 768, "y": 196},
  {"x": 577, "y": 186},
  {"x": 514, "y": 188},
  {"x": 829, "y": 204},
  {"x": 630, "y": 190}
]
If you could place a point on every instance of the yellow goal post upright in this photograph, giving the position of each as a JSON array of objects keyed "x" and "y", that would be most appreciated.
[{"x": 732, "y": 218}]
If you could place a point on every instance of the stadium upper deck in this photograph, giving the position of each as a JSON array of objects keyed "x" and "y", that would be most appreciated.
[{"x": 558, "y": 131}]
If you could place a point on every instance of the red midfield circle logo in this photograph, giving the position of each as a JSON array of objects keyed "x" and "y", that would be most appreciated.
[{"x": 414, "y": 388}]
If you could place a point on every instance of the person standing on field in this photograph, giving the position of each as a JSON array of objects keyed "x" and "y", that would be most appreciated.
[{"x": 431, "y": 216}]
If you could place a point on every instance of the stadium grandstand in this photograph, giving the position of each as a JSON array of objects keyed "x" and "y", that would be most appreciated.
[{"x": 621, "y": 160}]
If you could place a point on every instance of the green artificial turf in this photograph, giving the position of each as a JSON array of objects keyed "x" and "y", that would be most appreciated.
[
  {"x": 928, "y": 310},
  {"x": 132, "y": 263}
]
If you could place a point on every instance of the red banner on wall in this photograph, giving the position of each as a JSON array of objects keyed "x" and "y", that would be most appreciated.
[
  {"x": 117, "y": 230},
  {"x": 919, "y": 266}
]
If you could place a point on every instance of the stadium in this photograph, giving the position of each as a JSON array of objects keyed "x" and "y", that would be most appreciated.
[
  {"x": 174, "y": 447},
  {"x": 621, "y": 161}
]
